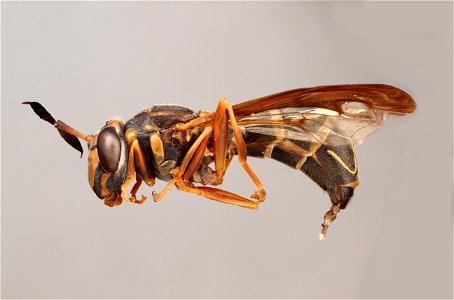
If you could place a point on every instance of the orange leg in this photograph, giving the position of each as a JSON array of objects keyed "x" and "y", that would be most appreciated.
[
  {"x": 140, "y": 166},
  {"x": 134, "y": 190},
  {"x": 134, "y": 152},
  {"x": 187, "y": 160},
  {"x": 159, "y": 196},
  {"x": 114, "y": 200},
  {"x": 260, "y": 194},
  {"x": 220, "y": 145},
  {"x": 213, "y": 193},
  {"x": 218, "y": 131}
]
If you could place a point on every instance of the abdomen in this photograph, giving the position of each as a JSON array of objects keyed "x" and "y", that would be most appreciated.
[{"x": 333, "y": 168}]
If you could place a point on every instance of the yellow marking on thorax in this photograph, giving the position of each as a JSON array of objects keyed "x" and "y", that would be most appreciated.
[
  {"x": 130, "y": 135},
  {"x": 158, "y": 148},
  {"x": 336, "y": 157}
]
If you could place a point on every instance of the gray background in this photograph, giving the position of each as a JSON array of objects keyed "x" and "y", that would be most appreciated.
[{"x": 87, "y": 62}]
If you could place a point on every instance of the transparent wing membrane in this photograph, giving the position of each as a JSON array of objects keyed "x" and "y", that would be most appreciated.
[{"x": 317, "y": 125}]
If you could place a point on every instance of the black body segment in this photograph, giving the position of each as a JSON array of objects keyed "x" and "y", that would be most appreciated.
[
  {"x": 331, "y": 175},
  {"x": 333, "y": 168},
  {"x": 156, "y": 121},
  {"x": 163, "y": 116}
]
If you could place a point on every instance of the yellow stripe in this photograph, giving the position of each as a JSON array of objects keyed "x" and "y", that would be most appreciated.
[
  {"x": 351, "y": 184},
  {"x": 301, "y": 162},
  {"x": 158, "y": 148},
  {"x": 103, "y": 185},
  {"x": 93, "y": 163},
  {"x": 336, "y": 157}
]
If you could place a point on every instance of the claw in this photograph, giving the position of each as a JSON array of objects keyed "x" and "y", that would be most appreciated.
[
  {"x": 133, "y": 199},
  {"x": 259, "y": 195},
  {"x": 156, "y": 196},
  {"x": 113, "y": 200}
]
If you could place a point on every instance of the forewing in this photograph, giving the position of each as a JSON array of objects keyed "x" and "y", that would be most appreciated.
[
  {"x": 332, "y": 115},
  {"x": 375, "y": 96},
  {"x": 316, "y": 125}
]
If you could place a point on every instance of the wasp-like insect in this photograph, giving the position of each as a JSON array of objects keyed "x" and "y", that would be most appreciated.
[{"x": 309, "y": 129}]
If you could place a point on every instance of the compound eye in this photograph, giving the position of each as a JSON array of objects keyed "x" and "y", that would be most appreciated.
[{"x": 109, "y": 148}]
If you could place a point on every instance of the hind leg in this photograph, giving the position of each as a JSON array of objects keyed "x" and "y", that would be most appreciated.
[{"x": 216, "y": 131}]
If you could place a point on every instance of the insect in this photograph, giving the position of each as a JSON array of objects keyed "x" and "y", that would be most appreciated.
[{"x": 310, "y": 129}]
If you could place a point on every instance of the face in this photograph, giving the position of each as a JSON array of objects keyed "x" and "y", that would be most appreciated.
[{"x": 107, "y": 159}]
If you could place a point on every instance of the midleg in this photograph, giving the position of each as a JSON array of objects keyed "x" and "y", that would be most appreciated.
[
  {"x": 134, "y": 190},
  {"x": 219, "y": 124},
  {"x": 187, "y": 162},
  {"x": 213, "y": 193},
  {"x": 216, "y": 126},
  {"x": 113, "y": 200},
  {"x": 220, "y": 127},
  {"x": 220, "y": 143}
]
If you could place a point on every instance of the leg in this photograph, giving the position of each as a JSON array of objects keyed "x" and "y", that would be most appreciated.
[
  {"x": 159, "y": 196},
  {"x": 260, "y": 194},
  {"x": 130, "y": 172},
  {"x": 134, "y": 151},
  {"x": 220, "y": 145},
  {"x": 140, "y": 163},
  {"x": 137, "y": 165},
  {"x": 213, "y": 193},
  {"x": 134, "y": 190},
  {"x": 187, "y": 162},
  {"x": 218, "y": 128},
  {"x": 114, "y": 200},
  {"x": 191, "y": 159}
]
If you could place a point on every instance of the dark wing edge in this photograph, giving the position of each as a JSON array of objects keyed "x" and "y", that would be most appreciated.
[{"x": 379, "y": 96}]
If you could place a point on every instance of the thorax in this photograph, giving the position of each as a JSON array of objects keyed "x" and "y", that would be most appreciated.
[{"x": 163, "y": 147}]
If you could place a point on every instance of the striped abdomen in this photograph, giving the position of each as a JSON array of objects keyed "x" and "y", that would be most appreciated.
[{"x": 333, "y": 168}]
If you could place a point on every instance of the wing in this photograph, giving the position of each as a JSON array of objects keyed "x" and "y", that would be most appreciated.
[
  {"x": 315, "y": 125},
  {"x": 330, "y": 115},
  {"x": 375, "y": 96}
]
